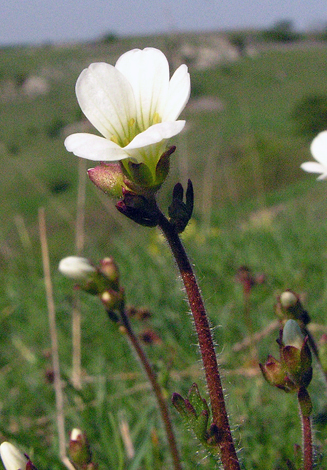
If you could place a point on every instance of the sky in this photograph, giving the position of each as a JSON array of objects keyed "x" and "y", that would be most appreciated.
[{"x": 60, "y": 21}]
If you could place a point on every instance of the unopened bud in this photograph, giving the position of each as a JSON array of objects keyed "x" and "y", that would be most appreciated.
[
  {"x": 296, "y": 354},
  {"x": 289, "y": 306},
  {"x": 76, "y": 268},
  {"x": 288, "y": 299},
  {"x": 109, "y": 178},
  {"x": 273, "y": 371},
  {"x": 91, "y": 279},
  {"x": 138, "y": 208},
  {"x": 79, "y": 449},
  {"x": 292, "y": 334},
  {"x": 12, "y": 458},
  {"x": 110, "y": 269}
]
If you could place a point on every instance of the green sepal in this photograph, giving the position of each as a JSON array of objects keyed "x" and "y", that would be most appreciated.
[
  {"x": 201, "y": 425},
  {"x": 304, "y": 402},
  {"x": 197, "y": 401},
  {"x": 184, "y": 408},
  {"x": 162, "y": 168},
  {"x": 194, "y": 411},
  {"x": 140, "y": 174}
]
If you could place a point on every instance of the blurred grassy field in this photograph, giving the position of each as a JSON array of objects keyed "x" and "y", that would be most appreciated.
[{"x": 253, "y": 207}]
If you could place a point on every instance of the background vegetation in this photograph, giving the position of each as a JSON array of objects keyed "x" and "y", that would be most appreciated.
[{"x": 242, "y": 149}]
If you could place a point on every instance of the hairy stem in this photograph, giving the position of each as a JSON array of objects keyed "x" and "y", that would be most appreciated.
[
  {"x": 307, "y": 442},
  {"x": 156, "y": 389},
  {"x": 219, "y": 413}
]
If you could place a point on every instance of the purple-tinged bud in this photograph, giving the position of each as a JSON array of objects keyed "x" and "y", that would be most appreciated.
[
  {"x": 274, "y": 372},
  {"x": 180, "y": 212},
  {"x": 109, "y": 268},
  {"x": 138, "y": 208},
  {"x": 109, "y": 178}
]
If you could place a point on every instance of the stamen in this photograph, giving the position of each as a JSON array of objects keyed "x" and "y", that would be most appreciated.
[
  {"x": 131, "y": 122},
  {"x": 114, "y": 139},
  {"x": 156, "y": 118}
]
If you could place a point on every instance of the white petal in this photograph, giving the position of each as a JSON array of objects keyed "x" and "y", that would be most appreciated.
[
  {"x": 178, "y": 94},
  {"x": 106, "y": 98},
  {"x": 156, "y": 134},
  {"x": 76, "y": 268},
  {"x": 313, "y": 167},
  {"x": 319, "y": 148},
  {"x": 323, "y": 176},
  {"x": 93, "y": 147},
  {"x": 11, "y": 457},
  {"x": 147, "y": 71}
]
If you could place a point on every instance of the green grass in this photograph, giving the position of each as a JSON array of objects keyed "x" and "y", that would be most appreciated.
[{"x": 253, "y": 207}]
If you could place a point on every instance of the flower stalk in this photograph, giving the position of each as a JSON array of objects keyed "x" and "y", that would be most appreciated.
[
  {"x": 156, "y": 389},
  {"x": 219, "y": 413},
  {"x": 307, "y": 442}
]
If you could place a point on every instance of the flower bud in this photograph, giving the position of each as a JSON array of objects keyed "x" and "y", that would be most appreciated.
[
  {"x": 292, "y": 334},
  {"x": 76, "y": 268},
  {"x": 113, "y": 302},
  {"x": 109, "y": 178},
  {"x": 288, "y": 299},
  {"x": 275, "y": 374},
  {"x": 138, "y": 208},
  {"x": 91, "y": 279},
  {"x": 109, "y": 268},
  {"x": 289, "y": 306},
  {"x": 79, "y": 449},
  {"x": 296, "y": 354},
  {"x": 180, "y": 212},
  {"x": 12, "y": 458}
]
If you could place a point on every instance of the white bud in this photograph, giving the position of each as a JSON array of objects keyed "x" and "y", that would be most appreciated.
[
  {"x": 76, "y": 268},
  {"x": 75, "y": 434},
  {"x": 12, "y": 458},
  {"x": 288, "y": 299},
  {"x": 292, "y": 334}
]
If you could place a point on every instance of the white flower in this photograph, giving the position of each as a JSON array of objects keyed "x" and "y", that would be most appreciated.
[
  {"x": 12, "y": 458},
  {"x": 76, "y": 268},
  {"x": 319, "y": 151},
  {"x": 133, "y": 104}
]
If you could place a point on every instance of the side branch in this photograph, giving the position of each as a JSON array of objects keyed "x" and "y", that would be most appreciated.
[{"x": 156, "y": 389}]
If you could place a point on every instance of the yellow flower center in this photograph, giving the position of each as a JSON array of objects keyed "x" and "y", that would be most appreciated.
[{"x": 133, "y": 129}]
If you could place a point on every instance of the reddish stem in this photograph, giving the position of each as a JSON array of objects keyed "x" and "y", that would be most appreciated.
[
  {"x": 157, "y": 391},
  {"x": 219, "y": 413},
  {"x": 307, "y": 443}
]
